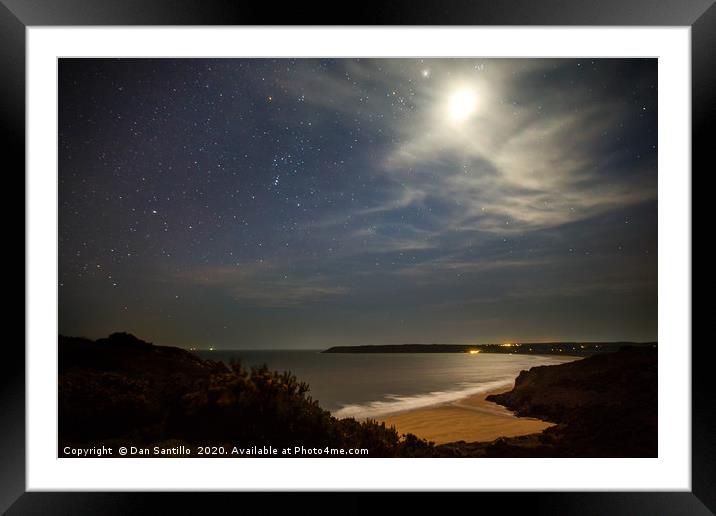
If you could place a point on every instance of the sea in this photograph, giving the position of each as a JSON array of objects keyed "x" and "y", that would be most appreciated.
[{"x": 370, "y": 385}]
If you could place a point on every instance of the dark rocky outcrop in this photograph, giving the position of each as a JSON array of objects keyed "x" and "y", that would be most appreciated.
[
  {"x": 604, "y": 406},
  {"x": 123, "y": 391}
]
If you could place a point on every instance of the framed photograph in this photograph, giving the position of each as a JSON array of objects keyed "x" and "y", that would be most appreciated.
[{"x": 432, "y": 250}]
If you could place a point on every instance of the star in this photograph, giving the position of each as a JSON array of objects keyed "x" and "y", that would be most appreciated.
[{"x": 415, "y": 183}]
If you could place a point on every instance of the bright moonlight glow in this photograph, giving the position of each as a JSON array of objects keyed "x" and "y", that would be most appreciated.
[{"x": 462, "y": 105}]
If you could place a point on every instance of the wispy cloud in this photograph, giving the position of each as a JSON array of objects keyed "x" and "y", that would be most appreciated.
[
  {"x": 264, "y": 285},
  {"x": 521, "y": 163}
]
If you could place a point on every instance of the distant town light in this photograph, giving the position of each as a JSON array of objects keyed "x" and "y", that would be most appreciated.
[{"x": 474, "y": 351}]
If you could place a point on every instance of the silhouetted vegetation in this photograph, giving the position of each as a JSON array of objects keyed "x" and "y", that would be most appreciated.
[{"x": 122, "y": 391}]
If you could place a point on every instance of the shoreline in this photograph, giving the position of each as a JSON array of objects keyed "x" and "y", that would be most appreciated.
[
  {"x": 469, "y": 419},
  {"x": 600, "y": 406}
]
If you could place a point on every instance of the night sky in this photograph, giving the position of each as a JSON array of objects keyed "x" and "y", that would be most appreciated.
[{"x": 305, "y": 203}]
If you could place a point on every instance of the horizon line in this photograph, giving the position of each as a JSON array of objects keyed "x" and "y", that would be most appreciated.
[{"x": 502, "y": 344}]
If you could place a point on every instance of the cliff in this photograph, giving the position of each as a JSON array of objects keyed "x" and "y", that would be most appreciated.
[
  {"x": 604, "y": 406},
  {"x": 122, "y": 391}
]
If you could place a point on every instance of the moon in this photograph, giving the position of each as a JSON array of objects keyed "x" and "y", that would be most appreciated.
[{"x": 462, "y": 105}]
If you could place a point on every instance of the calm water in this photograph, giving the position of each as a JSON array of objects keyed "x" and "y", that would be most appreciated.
[{"x": 370, "y": 385}]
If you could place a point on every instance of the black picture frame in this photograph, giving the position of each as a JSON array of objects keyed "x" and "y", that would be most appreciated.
[{"x": 17, "y": 15}]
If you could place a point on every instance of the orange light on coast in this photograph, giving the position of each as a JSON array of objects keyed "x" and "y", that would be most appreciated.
[{"x": 474, "y": 351}]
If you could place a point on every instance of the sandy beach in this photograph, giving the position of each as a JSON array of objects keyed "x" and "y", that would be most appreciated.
[{"x": 469, "y": 419}]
